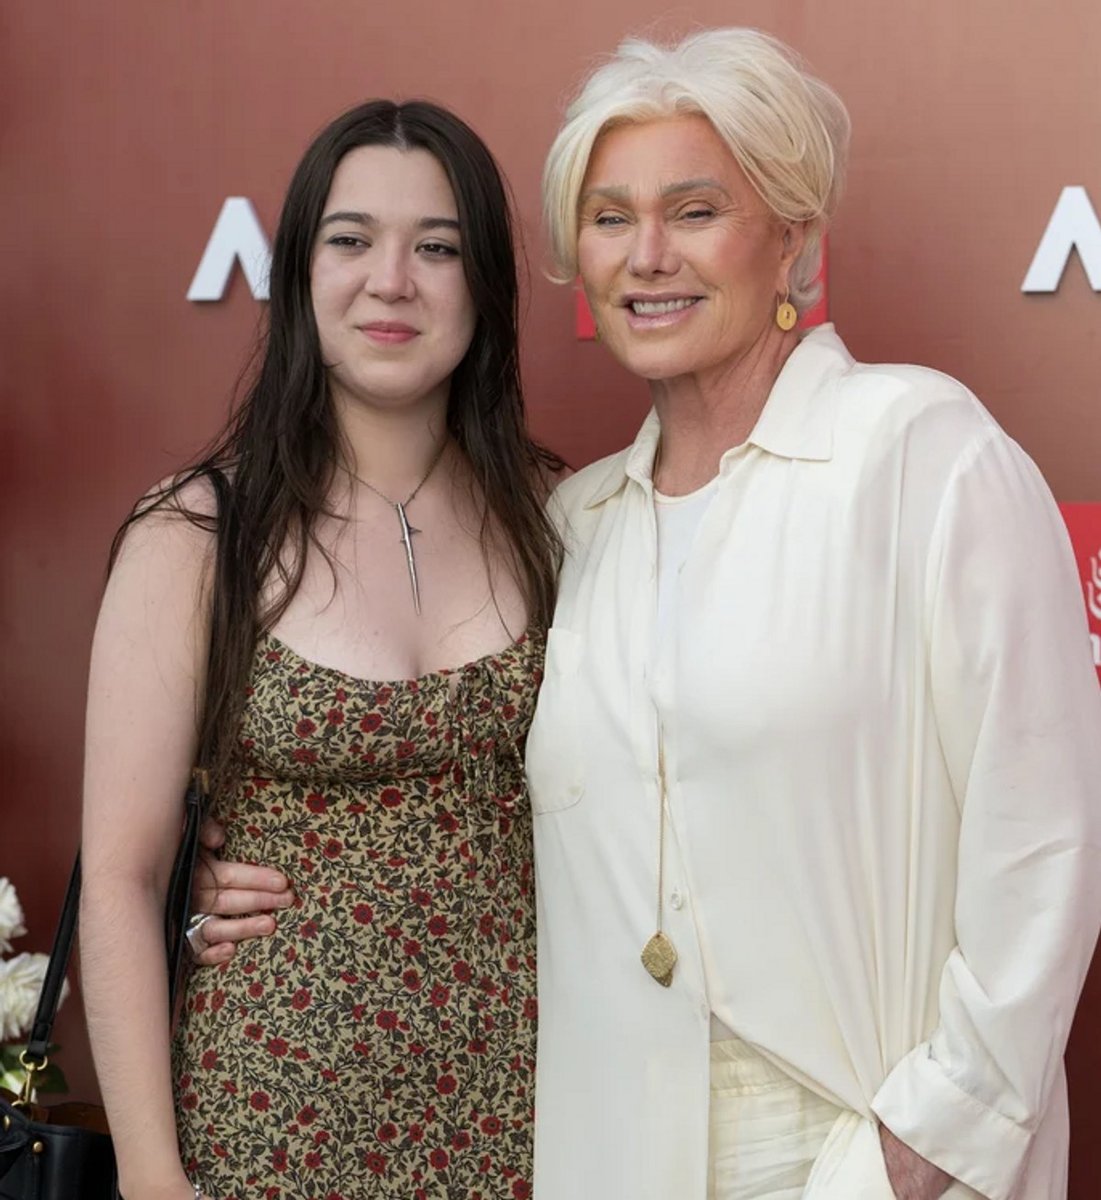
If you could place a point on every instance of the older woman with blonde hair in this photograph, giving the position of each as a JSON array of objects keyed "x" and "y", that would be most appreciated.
[{"x": 818, "y": 738}]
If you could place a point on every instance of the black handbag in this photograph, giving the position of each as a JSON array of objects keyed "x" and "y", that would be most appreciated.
[{"x": 64, "y": 1152}]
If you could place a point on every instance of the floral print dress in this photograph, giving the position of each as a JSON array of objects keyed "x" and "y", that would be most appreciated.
[{"x": 382, "y": 1042}]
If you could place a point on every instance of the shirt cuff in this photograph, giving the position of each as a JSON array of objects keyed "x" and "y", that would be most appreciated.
[{"x": 975, "y": 1144}]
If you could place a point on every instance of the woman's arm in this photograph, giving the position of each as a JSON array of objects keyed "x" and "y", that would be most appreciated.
[
  {"x": 1018, "y": 714},
  {"x": 146, "y": 679}
]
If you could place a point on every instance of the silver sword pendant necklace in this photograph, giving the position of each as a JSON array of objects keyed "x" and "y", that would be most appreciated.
[{"x": 407, "y": 530}]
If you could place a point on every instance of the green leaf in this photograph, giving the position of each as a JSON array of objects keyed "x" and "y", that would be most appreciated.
[
  {"x": 9, "y": 1057},
  {"x": 52, "y": 1079}
]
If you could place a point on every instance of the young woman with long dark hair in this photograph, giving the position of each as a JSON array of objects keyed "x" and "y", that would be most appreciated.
[{"x": 339, "y": 611}]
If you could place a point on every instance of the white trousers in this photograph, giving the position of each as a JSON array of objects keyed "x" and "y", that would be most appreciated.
[{"x": 765, "y": 1129}]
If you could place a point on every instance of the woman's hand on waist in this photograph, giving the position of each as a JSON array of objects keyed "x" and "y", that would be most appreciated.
[{"x": 241, "y": 899}]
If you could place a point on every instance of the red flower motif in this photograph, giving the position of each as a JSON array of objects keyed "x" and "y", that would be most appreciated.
[
  {"x": 446, "y": 1085},
  {"x": 521, "y": 1189},
  {"x": 462, "y": 972},
  {"x": 376, "y": 1163},
  {"x": 306, "y": 1115},
  {"x": 390, "y": 797},
  {"x": 316, "y": 803},
  {"x": 261, "y": 1101},
  {"x": 439, "y": 996},
  {"x": 439, "y": 1159},
  {"x": 279, "y": 1160},
  {"x": 301, "y": 999},
  {"x": 531, "y": 1008},
  {"x": 363, "y": 914},
  {"x": 209, "y": 1060},
  {"x": 334, "y": 717},
  {"x": 255, "y": 1032},
  {"x": 371, "y": 722},
  {"x": 387, "y": 1132},
  {"x": 412, "y": 980},
  {"x": 312, "y": 1160},
  {"x": 437, "y": 925},
  {"x": 278, "y": 1047},
  {"x": 491, "y": 1126},
  {"x": 387, "y": 1019},
  {"x": 305, "y": 727},
  {"x": 333, "y": 848}
]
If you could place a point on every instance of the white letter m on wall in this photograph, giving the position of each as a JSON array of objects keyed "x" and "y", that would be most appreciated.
[
  {"x": 1073, "y": 226},
  {"x": 237, "y": 237}
]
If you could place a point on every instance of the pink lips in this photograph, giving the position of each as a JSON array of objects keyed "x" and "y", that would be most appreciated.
[{"x": 388, "y": 333}]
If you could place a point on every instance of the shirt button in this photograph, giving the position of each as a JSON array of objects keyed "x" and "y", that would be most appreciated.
[
  {"x": 676, "y": 899},
  {"x": 575, "y": 791}
]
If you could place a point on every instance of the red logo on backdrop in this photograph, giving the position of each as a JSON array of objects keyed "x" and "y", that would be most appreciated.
[
  {"x": 1084, "y": 523},
  {"x": 585, "y": 327}
]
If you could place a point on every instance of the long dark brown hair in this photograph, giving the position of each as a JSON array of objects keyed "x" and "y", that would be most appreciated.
[{"x": 272, "y": 466}]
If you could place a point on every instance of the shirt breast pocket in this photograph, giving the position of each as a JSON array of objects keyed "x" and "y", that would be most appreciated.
[{"x": 555, "y": 763}]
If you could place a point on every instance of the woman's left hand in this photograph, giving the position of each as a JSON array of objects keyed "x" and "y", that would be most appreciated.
[{"x": 911, "y": 1176}]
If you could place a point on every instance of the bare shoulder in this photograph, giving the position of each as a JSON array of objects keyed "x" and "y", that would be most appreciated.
[
  {"x": 166, "y": 547},
  {"x": 178, "y": 516}
]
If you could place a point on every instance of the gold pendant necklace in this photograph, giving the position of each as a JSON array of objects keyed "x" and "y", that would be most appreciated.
[
  {"x": 407, "y": 530},
  {"x": 659, "y": 955}
]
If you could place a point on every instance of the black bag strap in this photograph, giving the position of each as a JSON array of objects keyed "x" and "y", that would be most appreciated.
[
  {"x": 50, "y": 996},
  {"x": 178, "y": 901}
]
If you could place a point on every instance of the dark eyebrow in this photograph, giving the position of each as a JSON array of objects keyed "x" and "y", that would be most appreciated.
[
  {"x": 438, "y": 223},
  {"x": 352, "y": 218},
  {"x": 363, "y": 218},
  {"x": 621, "y": 195}
]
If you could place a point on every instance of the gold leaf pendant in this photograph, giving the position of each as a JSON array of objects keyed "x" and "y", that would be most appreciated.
[{"x": 659, "y": 957}]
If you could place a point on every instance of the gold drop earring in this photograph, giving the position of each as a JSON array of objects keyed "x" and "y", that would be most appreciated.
[{"x": 786, "y": 316}]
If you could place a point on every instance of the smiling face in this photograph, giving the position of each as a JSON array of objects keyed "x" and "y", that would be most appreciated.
[
  {"x": 682, "y": 261},
  {"x": 394, "y": 313}
]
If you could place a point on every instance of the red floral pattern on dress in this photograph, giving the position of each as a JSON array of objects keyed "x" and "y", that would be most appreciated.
[{"x": 382, "y": 1042}]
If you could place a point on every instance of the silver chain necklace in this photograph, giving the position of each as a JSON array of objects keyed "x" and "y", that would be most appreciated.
[{"x": 407, "y": 530}]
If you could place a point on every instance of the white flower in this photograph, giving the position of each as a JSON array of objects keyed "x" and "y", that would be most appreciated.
[
  {"x": 11, "y": 915},
  {"x": 20, "y": 982}
]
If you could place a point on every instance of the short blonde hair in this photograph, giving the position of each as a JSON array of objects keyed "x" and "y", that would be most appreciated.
[{"x": 788, "y": 131}]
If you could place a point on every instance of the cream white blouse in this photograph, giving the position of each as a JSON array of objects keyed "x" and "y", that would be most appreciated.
[{"x": 882, "y": 741}]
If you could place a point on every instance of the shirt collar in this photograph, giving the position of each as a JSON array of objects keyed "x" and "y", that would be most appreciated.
[{"x": 796, "y": 422}]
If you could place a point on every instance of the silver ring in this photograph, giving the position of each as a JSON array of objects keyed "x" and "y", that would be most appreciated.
[{"x": 194, "y": 933}]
